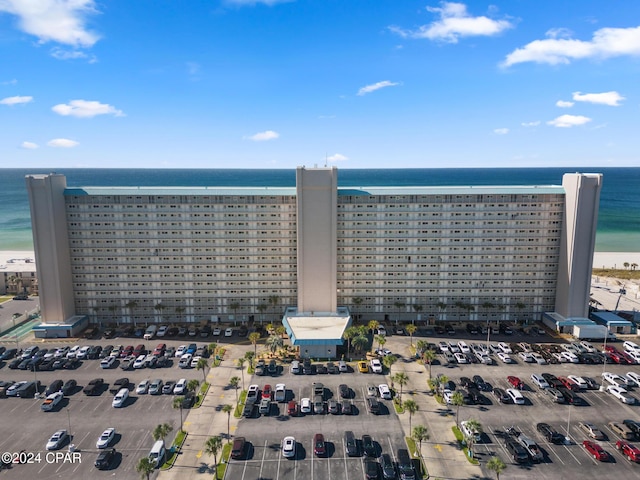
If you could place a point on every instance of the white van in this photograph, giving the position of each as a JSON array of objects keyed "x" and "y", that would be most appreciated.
[
  {"x": 469, "y": 432},
  {"x": 630, "y": 346},
  {"x": 156, "y": 455},
  {"x": 539, "y": 381},
  {"x": 515, "y": 396},
  {"x": 295, "y": 367},
  {"x": 150, "y": 332}
]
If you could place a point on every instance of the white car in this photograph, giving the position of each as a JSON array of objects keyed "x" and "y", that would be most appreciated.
[
  {"x": 621, "y": 394},
  {"x": 453, "y": 347},
  {"x": 195, "y": 360},
  {"x": 447, "y": 395},
  {"x": 139, "y": 362},
  {"x": 372, "y": 390},
  {"x": 539, "y": 381},
  {"x": 464, "y": 348},
  {"x": 162, "y": 331},
  {"x": 484, "y": 358},
  {"x": 504, "y": 347},
  {"x": 515, "y": 396},
  {"x": 82, "y": 352},
  {"x": 615, "y": 380},
  {"x": 381, "y": 330},
  {"x": 106, "y": 438},
  {"x": 181, "y": 387},
  {"x": 143, "y": 387},
  {"x": 495, "y": 348},
  {"x": 61, "y": 352},
  {"x": 525, "y": 347},
  {"x": 185, "y": 360},
  {"x": 443, "y": 346},
  {"x": 73, "y": 351},
  {"x": 384, "y": 391},
  {"x": 630, "y": 346},
  {"x": 305, "y": 405},
  {"x": 217, "y": 331},
  {"x": 505, "y": 357},
  {"x": 579, "y": 381},
  {"x": 571, "y": 357},
  {"x": 461, "y": 357},
  {"x": 383, "y": 352},
  {"x": 527, "y": 357},
  {"x": 289, "y": 447},
  {"x": 634, "y": 377},
  {"x": 228, "y": 332},
  {"x": 121, "y": 398},
  {"x": 588, "y": 347},
  {"x": 51, "y": 401},
  {"x": 376, "y": 365},
  {"x": 559, "y": 357},
  {"x": 181, "y": 350},
  {"x": 539, "y": 358},
  {"x": 108, "y": 362},
  {"x": 280, "y": 394},
  {"x": 57, "y": 440}
]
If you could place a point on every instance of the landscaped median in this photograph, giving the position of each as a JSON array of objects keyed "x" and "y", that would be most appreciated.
[
  {"x": 416, "y": 455},
  {"x": 240, "y": 405},
  {"x": 463, "y": 445},
  {"x": 204, "y": 388},
  {"x": 221, "y": 469},
  {"x": 174, "y": 451}
]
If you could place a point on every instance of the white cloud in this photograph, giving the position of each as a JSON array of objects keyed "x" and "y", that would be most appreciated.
[
  {"x": 62, "y": 143},
  {"x": 612, "y": 99},
  {"x": 337, "y": 157},
  {"x": 566, "y": 121},
  {"x": 263, "y": 136},
  {"x": 16, "y": 100},
  {"x": 605, "y": 43},
  {"x": 564, "y": 104},
  {"x": 62, "y": 54},
  {"x": 61, "y": 21},
  {"x": 531, "y": 124},
  {"x": 376, "y": 86},
  {"x": 501, "y": 131},
  {"x": 454, "y": 22},
  {"x": 10, "y": 82},
  {"x": 86, "y": 109},
  {"x": 29, "y": 145}
]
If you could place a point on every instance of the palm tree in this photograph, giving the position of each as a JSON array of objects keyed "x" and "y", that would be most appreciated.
[
  {"x": 249, "y": 356},
  {"x": 280, "y": 330},
  {"x": 496, "y": 465},
  {"x": 412, "y": 407},
  {"x": 429, "y": 356},
  {"x": 401, "y": 379},
  {"x": 634, "y": 266},
  {"x": 460, "y": 306},
  {"x": 213, "y": 348},
  {"x": 273, "y": 343},
  {"x": 202, "y": 365},
  {"x": 130, "y": 305},
  {"x": 416, "y": 308},
  {"x": 112, "y": 309},
  {"x": 420, "y": 434},
  {"x": 193, "y": 384},
  {"x": 234, "y": 382},
  {"x": 388, "y": 361},
  {"x": 487, "y": 306},
  {"x": 348, "y": 334},
  {"x": 177, "y": 404},
  {"x": 159, "y": 307},
  {"x": 626, "y": 264},
  {"x": 180, "y": 311},
  {"x": 372, "y": 325},
  {"x": 411, "y": 329},
  {"x": 273, "y": 301},
  {"x": 145, "y": 467},
  {"x": 212, "y": 446},
  {"x": 357, "y": 301},
  {"x": 457, "y": 400},
  {"x": 443, "y": 380},
  {"x": 520, "y": 306},
  {"x": 359, "y": 342},
  {"x": 432, "y": 384},
  {"x": 381, "y": 340},
  {"x": 473, "y": 426},
  {"x": 240, "y": 362},
  {"x": 441, "y": 307},
  {"x": 261, "y": 308},
  {"x": 253, "y": 338},
  {"x": 161, "y": 431},
  {"x": 234, "y": 306},
  {"x": 226, "y": 408},
  {"x": 398, "y": 305}
]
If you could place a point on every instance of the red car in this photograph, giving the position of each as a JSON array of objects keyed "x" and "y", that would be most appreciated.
[
  {"x": 319, "y": 447},
  {"x": 617, "y": 357},
  {"x": 139, "y": 350},
  {"x": 160, "y": 349},
  {"x": 630, "y": 451},
  {"x": 516, "y": 382},
  {"x": 127, "y": 351},
  {"x": 595, "y": 450},
  {"x": 610, "y": 349},
  {"x": 267, "y": 392},
  {"x": 569, "y": 384},
  {"x": 292, "y": 408}
]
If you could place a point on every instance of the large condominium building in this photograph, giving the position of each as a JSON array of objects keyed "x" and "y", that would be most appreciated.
[{"x": 477, "y": 253}]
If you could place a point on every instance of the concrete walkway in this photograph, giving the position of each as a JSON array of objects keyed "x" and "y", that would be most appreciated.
[{"x": 208, "y": 420}]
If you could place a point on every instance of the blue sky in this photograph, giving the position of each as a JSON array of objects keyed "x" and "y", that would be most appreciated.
[{"x": 352, "y": 83}]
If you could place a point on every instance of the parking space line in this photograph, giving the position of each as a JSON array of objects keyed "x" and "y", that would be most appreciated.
[{"x": 264, "y": 452}]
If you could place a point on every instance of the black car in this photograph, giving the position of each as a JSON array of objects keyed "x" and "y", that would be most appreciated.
[
  {"x": 35, "y": 363},
  {"x": 24, "y": 364},
  {"x": 105, "y": 458},
  {"x": 476, "y": 396},
  {"x": 591, "y": 383},
  {"x": 321, "y": 369},
  {"x": 388, "y": 468},
  {"x": 15, "y": 363},
  {"x": 307, "y": 368},
  {"x": 368, "y": 446},
  {"x": 471, "y": 328},
  {"x": 69, "y": 387},
  {"x": 106, "y": 351},
  {"x": 331, "y": 368},
  {"x": 47, "y": 365},
  {"x": 59, "y": 363},
  {"x": 549, "y": 433},
  {"x": 71, "y": 364},
  {"x": 633, "y": 426},
  {"x": 373, "y": 405},
  {"x": 501, "y": 395},
  {"x": 9, "y": 354},
  {"x": 348, "y": 408},
  {"x": 273, "y": 367},
  {"x": 4, "y": 385},
  {"x": 345, "y": 391},
  {"x": 482, "y": 385},
  {"x": 247, "y": 410},
  {"x": 110, "y": 333},
  {"x": 467, "y": 382},
  {"x": 55, "y": 386},
  {"x": 450, "y": 330},
  {"x": 370, "y": 469},
  {"x": 517, "y": 451},
  {"x": 189, "y": 399},
  {"x": 94, "y": 352}
]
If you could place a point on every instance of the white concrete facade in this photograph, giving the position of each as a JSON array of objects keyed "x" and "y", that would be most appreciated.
[{"x": 153, "y": 254}]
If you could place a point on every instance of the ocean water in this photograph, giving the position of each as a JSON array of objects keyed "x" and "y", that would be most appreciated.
[{"x": 618, "y": 221}]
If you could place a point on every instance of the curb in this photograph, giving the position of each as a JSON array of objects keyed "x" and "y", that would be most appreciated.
[{"x": 178, "y": 449}]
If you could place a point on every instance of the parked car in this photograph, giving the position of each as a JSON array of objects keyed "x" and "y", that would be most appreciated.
[
  {"x": 591, "y": 430},
  {"x": 319, "y": 445},
  {"x": 549, "y": 433},
  {"x": 628, "y": 450},
  {"x": 289, "y": 447},
  {"x": 57, "y": 440},
  {"x": 106, "y": 438},
  {"x": 105, "y": 459},
  {"x": 595, "y": 450}
]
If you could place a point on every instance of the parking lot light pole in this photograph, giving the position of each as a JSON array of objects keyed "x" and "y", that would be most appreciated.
[
  {"x": 604, "y": 363},
  {"x": 69, "y": 419}
]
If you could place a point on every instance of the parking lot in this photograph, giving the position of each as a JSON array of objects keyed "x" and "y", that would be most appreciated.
[
  {"x": 265, "y": 433},
  {"x": 27, "y": 429}
]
